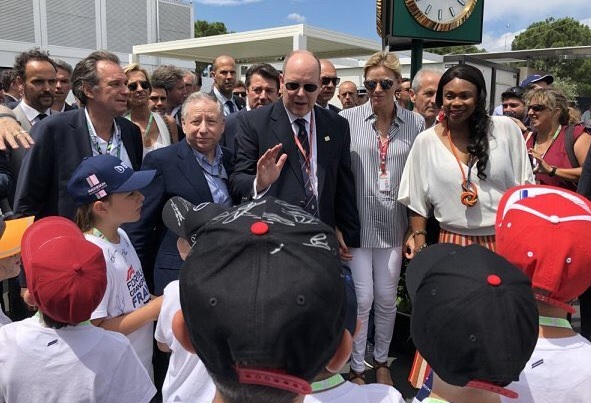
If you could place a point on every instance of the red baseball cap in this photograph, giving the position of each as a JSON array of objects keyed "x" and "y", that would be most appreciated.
[
  {"x": 66, "y": 274},
  {"x": 543, "y": 231}
]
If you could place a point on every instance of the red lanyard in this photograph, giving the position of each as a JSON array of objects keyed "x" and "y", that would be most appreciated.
[
  {"x": 307, "y": 157},
  {"x": 383, "y": 147}
]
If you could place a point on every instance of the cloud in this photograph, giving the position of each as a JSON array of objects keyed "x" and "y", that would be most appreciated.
[
  {"x": 227, "y": 2},
  {"x": 498, "y": 43},
  {"x": 298, "y": 18}
]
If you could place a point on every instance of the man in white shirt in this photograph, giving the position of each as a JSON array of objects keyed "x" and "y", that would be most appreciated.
[
  {"x": 224, "y": 80},
  {"x": 36, "y": 74}
]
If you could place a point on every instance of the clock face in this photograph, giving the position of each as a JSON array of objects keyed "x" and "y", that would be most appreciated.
[{"x": 440, "y": 15}]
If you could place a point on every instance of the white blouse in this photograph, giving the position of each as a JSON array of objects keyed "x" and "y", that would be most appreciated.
[{"x": 431, "y": 181}]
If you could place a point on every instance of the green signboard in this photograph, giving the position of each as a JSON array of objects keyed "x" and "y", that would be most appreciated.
[{"x": 435, "y": 22}]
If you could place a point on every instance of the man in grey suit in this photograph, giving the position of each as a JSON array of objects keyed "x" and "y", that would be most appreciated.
[{"x": 36, "y": 74}]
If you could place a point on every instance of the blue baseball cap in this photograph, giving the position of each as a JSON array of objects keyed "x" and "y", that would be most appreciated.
[
  {"x": 536, "y": 78},
  {"x": 99, "y": 176}
]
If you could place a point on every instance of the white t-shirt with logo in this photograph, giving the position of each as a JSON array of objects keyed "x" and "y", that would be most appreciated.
[
  {"x": 127, "y": 291},
  {"x": 349, "y": 392},
  {"x": 187, "y": 379},
  {"x": 80, "y": 363},
  {"x": 558, "y": 371}
]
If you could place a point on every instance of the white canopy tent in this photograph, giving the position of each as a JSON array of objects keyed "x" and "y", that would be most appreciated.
[{"x": 265, "y": 45}]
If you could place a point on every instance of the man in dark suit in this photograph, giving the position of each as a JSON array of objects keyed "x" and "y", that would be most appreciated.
[
  {"x": 329, "y": 81},
  {"x": 11, "y": 89},
  {"x": 224, "y": 80},
  {"x": 314, "y": 142},
  {"x": 62, "y": 86},
  {"x": 64, "y": 139},
  {"x": 170, "y": 78},
  {"x": 196, "y": 169},
  {"x": 262, "y": 88}
]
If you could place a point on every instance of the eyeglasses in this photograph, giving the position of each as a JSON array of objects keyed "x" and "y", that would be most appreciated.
[
  {"x": 536, "y": 107},
  {"x": 241, "y": 94},
  {"x": 295, "y": 86},
  {"x": 133, "y": 86},
  {"x": 371, "y": 85},
  {"x": 327, "y": 80}
]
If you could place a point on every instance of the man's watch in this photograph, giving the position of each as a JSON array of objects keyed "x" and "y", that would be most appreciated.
[{"x": 553, "y": 171}]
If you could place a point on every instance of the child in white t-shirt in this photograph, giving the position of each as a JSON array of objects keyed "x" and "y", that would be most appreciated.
[
  {"x": 557, "y": 261},
  {"x": 57, "y": 355},
  {"x": 11, "y": 233},
  {"x": 107, "y": 194}
]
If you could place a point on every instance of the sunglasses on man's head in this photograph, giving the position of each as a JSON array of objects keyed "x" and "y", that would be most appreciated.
[
  {"x": 327, "y": 80},
  {"x": 295, "y": 86},
  {"x": 536, "y": 107},
  {"x": 371, "y": 85},
  {"x": 133, "y": 86}
]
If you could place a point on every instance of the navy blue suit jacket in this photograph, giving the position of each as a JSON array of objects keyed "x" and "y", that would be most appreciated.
[
  {"x": 265, "y": 127},
  {"x": 61, "y": 142},
  {"x": 177, "y": 174}
]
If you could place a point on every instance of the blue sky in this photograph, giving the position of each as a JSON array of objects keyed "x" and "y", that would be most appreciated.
[{"x": 503, "y": 19}]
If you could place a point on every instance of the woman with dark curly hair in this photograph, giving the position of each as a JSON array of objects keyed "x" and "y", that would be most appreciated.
[{"x": 459, "y": 169}]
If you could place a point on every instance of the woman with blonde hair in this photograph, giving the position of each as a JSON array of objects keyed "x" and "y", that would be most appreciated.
[
  {"x": 382, "y": 134},
  {"x": 154, "y": 131},
  {"x": 557, "y": 147}
]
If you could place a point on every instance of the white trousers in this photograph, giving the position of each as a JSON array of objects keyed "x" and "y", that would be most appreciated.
[{"x": 375, "y": 274}]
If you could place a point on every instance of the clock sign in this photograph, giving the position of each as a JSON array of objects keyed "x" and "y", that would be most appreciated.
[{"x": 440, "y": 15}]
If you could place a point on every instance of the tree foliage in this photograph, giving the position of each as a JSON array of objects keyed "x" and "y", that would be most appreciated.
[
  {"x": 205, "y": 28},
  {"x": 456, "y": 50},
  {"x": 555, "y": 33}
]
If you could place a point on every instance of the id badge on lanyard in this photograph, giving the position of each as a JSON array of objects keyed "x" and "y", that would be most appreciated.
[{"x": 384, "y": 184}]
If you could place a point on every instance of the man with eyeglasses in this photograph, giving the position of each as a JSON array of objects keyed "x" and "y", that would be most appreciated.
[
  {"x": 299, "y": 153},
  {"x": 329, "y": 81},
  {"x": 262, "y": 88},
  {"x": 403, "y": 93}
]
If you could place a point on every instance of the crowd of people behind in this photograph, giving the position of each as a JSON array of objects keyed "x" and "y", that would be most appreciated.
[{"x": 231, "y": 246}]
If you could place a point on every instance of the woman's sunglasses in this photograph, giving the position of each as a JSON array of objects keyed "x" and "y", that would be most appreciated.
[
  {"x": 371, "y": 85},
  {"x": 295, "y": 86},
  {"x": 133, "y": 86},
  {"x": 536, "y": 107}
]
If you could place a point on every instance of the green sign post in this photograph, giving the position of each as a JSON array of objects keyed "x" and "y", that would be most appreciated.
[{"x": 420, "y": 24}]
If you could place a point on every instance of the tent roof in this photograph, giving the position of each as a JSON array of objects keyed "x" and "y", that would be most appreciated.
[{"x": 266, "y": 45}]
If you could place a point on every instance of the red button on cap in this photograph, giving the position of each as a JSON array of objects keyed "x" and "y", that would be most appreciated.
[
  {"x": 493, "y": 279},
  {"x": 259, "y": 228}
]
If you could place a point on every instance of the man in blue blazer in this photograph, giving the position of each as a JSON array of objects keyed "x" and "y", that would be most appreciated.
[
  {"x": 64, "y": 139},
  {"x": 270, "y": 158},
  {"x": 196, "y": 169}
]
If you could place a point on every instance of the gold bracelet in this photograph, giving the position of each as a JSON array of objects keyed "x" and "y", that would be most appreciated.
[{"x": 418, "y": 232}]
